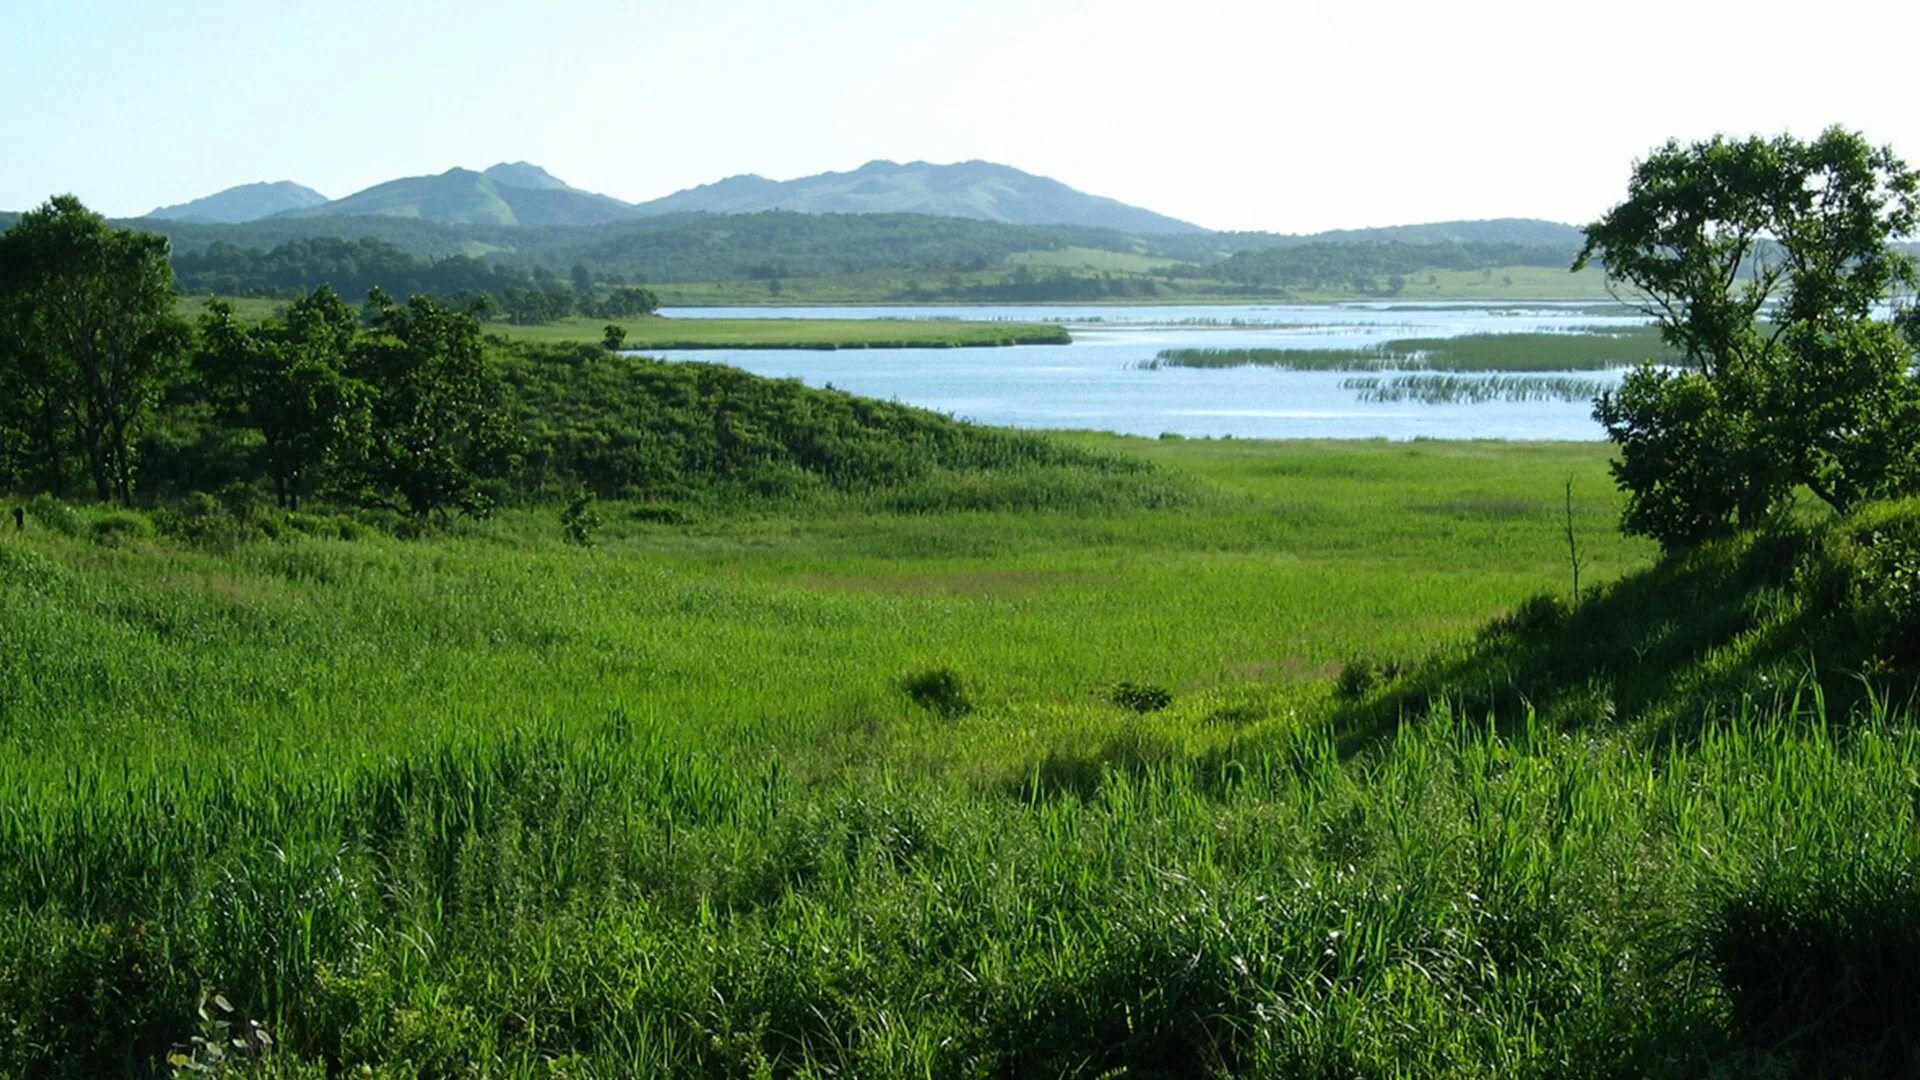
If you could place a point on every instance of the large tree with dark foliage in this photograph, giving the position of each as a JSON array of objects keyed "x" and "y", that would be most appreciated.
[
  {"x": 1768, "y": 264},
  {"x": 437, "y": 437},
  {"x": 286, "y": 379},
  {"x": 88, "y": 342}
]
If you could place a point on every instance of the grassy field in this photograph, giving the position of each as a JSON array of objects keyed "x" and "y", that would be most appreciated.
[
  {"x": 1518, "y": 284},
  {"x": 668, "y": 333},
  {"x": 678, "y": 333},
  {"x": 817, "y": 788}
]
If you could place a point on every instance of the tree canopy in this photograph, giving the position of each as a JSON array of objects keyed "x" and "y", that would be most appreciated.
[
  {"x": 1770, "y": 265},
  {"x": 88, "y": 340}
]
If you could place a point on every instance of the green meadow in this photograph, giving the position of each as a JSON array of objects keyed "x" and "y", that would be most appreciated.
[
  {"x": 1132, "y": 279},
  {"x": 659, "y": 332},
  {"x": 1303, "y": 761}
]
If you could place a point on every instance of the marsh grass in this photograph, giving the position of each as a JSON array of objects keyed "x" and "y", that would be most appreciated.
[
  {"x": 486, "y": 801},
  {"x": 1582, "y": 350},
  {"x": 1473, "y": 389}
]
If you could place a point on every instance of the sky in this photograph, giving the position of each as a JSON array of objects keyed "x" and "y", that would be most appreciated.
[{"x": 1232, "y": 114}]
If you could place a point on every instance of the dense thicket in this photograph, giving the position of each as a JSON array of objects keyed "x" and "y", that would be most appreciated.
[{"x": 357, "y": 267}]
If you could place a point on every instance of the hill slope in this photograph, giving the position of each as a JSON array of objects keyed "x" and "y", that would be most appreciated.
[
  {"x": 500, "y": 196},
  {"x": 971, "y": 189},
  {"x": 1741, "y": 623},
  {"x": 247, "y": 202}
]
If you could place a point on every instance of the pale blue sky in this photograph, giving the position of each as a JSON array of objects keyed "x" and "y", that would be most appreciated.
[{"x": 1232, "y": 114}]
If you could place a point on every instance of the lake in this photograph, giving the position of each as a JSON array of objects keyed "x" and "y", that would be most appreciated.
[{"x": 1099, "y": 382}]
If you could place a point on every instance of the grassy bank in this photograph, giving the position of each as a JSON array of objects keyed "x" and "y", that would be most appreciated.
[
  {"x": 846, "y": 785},
  {"x": 680, "y": 333},
  {"x": 1518, "y": 284},
  {"x": 657, "y": 332}
]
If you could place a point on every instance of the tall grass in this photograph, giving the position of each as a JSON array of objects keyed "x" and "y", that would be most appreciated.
[
  {"x": 488, "y": 802},
  {"x": 1473, "y": 389},
  {"x": 1589, "y": 350}
]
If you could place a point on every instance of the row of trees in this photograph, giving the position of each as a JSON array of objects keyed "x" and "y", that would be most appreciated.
[
  {"x": 393, "y": 405},
  {"x": 355, "y": 267},
  {"x": 1339, "y": 265},
  {"x": 1769, "y": 264}
]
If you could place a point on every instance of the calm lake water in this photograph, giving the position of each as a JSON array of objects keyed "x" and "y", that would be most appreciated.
[{"x": 1098, "y": 382}]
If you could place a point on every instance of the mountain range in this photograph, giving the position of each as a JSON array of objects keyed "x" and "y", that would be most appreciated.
[
  {"x": 971, "y": 189},
  {"x": 523, "y": 194}
]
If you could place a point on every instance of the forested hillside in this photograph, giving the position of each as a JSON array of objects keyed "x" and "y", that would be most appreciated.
[{"x": 906, "y": 257}]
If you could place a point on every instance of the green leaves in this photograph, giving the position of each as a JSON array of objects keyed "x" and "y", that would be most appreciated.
[
  {"x": 437, "y": 432},
  {"x": 88, "y": 341},
  {"x": 1765, "y": 261},
  {"x": 288, "y": 381}
]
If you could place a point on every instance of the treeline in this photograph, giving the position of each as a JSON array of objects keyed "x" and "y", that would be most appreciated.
[
  {"x": 357, "y": 267},
  {"x": 1025, "y": 285},
  {"x": 1369, "y": 267},
  {"x": 409, "y": 408},
  {"x": 282, "y": 257},
  {"x": 679, "y": 247}
]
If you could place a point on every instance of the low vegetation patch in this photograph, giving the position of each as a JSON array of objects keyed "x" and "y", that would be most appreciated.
[
  {"x": 1588, "y": 350},
  {"x": 660, "y": 333},
  {"x": 1473, "y": 389}
]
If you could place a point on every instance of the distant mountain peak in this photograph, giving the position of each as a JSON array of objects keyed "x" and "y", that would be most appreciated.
[
  {"x": 506, "y": 194},
  {"x": 524, "y": 174},
  {"x": 245, "y": 202}
]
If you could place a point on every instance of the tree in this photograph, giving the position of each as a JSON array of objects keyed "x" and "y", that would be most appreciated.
[
  {"x": 436, "y": 436},
  {"x": 629, "y": 302},
  {"x": 91, "y": 338},
  {"x": 288, "y": 381},
  {"x": 1767, "y": 263}
]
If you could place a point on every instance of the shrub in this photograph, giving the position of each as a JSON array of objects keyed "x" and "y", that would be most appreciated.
[
  {"x": 1358, "y": 676},
  {"x": 118, "y": 527},
  {"x": 202, "y": 520},
  {"x": 939, "y": 690},
  {"x": 1141, "y": 697},
  {"x": 1537, "y": 614},
  {"x": 53, "y": 514},
  {"x": 578, "y": 518}
]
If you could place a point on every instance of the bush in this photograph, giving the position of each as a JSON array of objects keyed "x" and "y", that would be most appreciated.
[
  {"x": 1358, "y": 676},
  {"x": 578, "y": 518},
  {"x": 51, "y": 513},
  {"x": 1141, "y": 697},
  {"x": 939, "y": 690},
  {"x": 1538, "y": 614},
  {"x": 201, "y": 520},
  {"x": 118, "y": 527}
]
